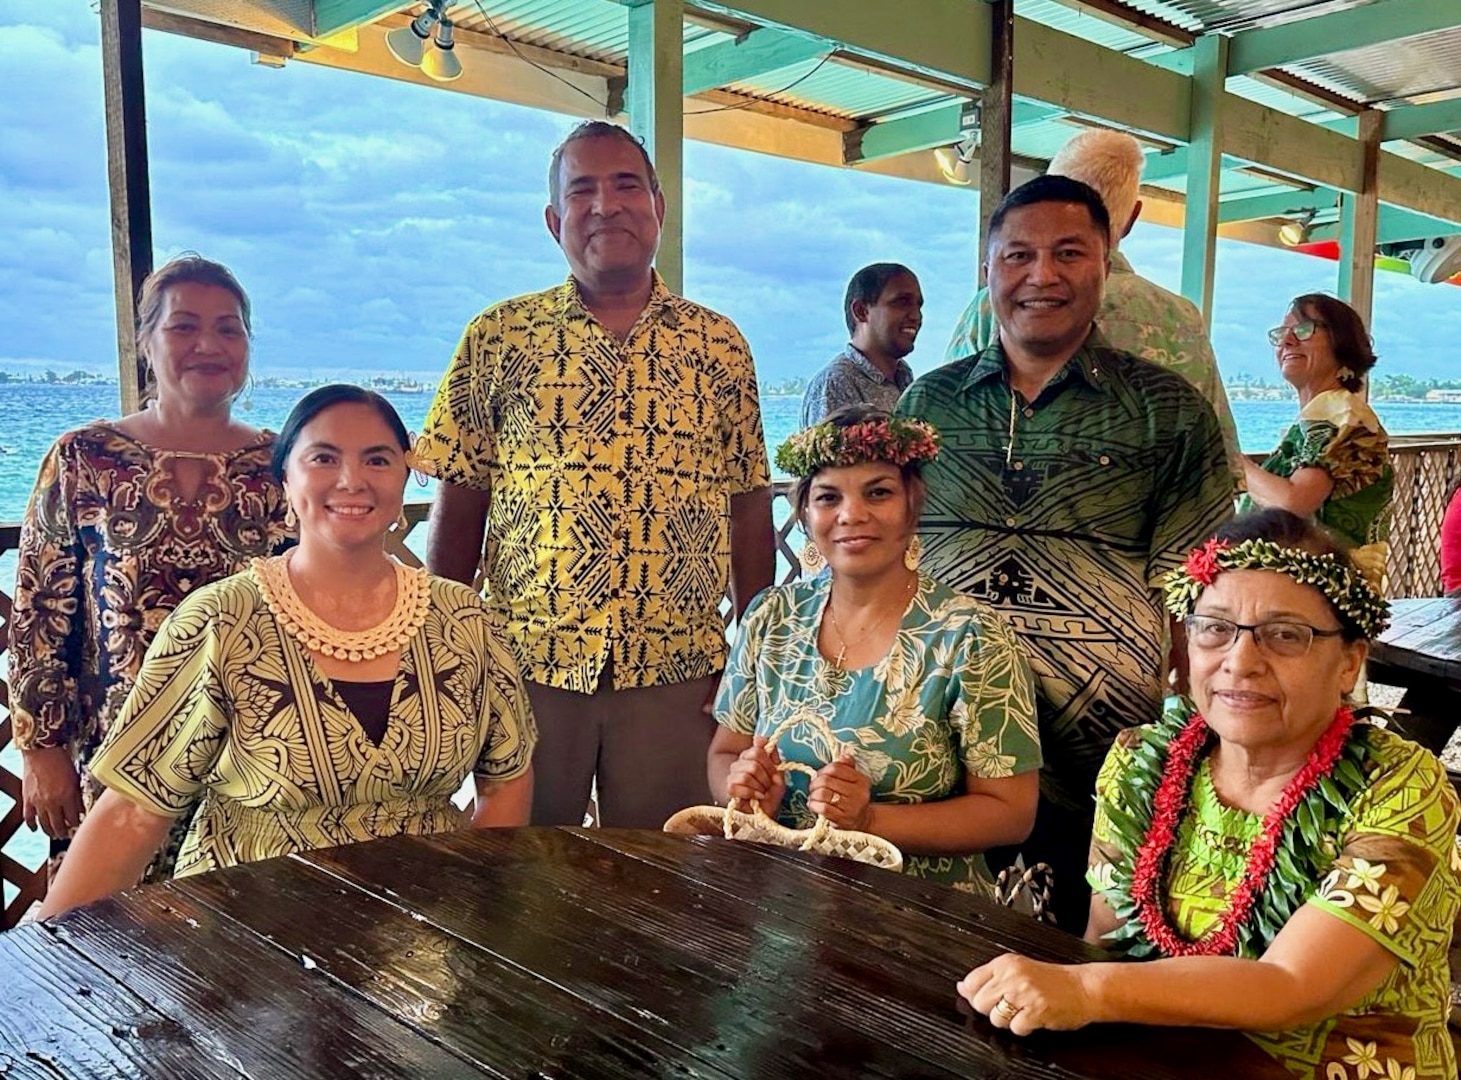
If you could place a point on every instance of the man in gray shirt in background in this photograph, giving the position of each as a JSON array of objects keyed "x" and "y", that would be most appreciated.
[{"x": 884, "y": 312}]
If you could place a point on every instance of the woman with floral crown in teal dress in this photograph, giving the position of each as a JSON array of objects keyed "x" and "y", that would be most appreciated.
[
  {"x": 1291, "y": 871},
  {"x": 911, "y": 702}
]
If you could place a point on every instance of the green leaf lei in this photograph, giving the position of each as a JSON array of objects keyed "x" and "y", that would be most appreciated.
[{"x": 1305, "y": 852}]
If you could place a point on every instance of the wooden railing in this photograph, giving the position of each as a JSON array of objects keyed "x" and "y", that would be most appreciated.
[{"x": 1424, "y": 469}]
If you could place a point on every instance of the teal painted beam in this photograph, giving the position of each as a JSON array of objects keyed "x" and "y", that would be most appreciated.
[
  {"x": 1275, "y": 205},
  {"x": 1204, "y": 170},
  {"x": 333, "y": 16},
  {"x": 1410, "y": 121},
  {"x": 937, "y": 127},
  {"x": 1173, "y": 163},
  {"x": 655, "y": 100},
  {"x": 1323, "y": 35},
  {"x": 757, "y": 53}
]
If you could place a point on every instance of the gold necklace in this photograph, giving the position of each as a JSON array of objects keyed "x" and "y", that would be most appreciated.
[
  {"x": 842, "y": 643},
  {"x": 413, "y": 601}
]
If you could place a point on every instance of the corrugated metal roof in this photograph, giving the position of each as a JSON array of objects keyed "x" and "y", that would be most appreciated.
[
  {"x": 1396, "y": 72},
  {"x": 850, "y": 92}
]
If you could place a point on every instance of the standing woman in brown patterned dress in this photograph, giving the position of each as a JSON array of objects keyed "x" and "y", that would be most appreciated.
[{"x": 126, "y": 519}]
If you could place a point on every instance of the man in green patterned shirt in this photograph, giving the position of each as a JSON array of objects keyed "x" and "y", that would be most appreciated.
[
  {"x": 1073, "y": 476},
  {"x": 604, "y": 437},
  {"x": 1137, "y": 316}
]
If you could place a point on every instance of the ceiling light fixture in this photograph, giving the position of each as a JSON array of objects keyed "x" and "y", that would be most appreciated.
[
  {"x": 441, "y": 63},
  {"x": 1294, "y": 233},
  {"x": 408, "y": 43},
  {"x": 956, "y": 162}
]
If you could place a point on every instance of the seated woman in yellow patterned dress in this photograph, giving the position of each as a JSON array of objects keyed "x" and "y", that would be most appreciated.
[
  {"x": 1293, "y": 872},
  {"x": 322, "y": 697}
]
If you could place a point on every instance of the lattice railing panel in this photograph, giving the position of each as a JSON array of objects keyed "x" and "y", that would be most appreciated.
[{"x": 1423, "y": 471}]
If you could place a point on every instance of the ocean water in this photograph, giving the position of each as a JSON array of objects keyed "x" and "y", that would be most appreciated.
[{"x": 33, "y": 415}]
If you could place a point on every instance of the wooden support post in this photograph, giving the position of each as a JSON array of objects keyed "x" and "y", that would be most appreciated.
[
  {"x": 1359, "y": 219},
  {"x": 1204, "y": 169},
  {"x": 996, "y": 111},
  {"x": 656, "y": 115},
  {"x": 126, "y": 123}
]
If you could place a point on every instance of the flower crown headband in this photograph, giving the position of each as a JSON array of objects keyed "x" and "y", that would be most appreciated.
[
  {"x": 1354, "y": 597},
  {"x": 894, "y": 440}
]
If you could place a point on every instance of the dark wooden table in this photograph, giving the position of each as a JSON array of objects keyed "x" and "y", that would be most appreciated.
[
  {"x": 1422, "y": 652},
  {"x": 548, "y": 953}
]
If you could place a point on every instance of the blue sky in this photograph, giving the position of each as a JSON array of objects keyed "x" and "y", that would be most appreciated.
[{"x": 370, "y": 219}]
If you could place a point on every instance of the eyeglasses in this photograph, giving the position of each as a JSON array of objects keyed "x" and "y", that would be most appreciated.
[
  {"x": 1302, "y": 330},
  {"x": 1278, "y": 638}
]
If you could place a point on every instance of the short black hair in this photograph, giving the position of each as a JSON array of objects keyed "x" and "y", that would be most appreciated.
[
  {"x": 868, "y": 284},
  {"x": 322, "y": 398},
  {"x": 1287, "y": 529},
  {"x": 1044, "y": 189},
  {"x": 594, "y": 129}
]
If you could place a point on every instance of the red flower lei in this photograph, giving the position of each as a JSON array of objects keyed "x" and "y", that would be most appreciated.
[{"x": 1168, "y": 806}]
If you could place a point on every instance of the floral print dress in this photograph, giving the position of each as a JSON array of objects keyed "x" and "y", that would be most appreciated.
[
  {"x": 1338, "y": 432},
  {"x": 110, "y": 544},
  {"x": 1396, "y": 878},
  {"x": 953, "y": 697}
]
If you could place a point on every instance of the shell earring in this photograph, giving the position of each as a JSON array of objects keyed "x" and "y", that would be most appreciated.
[
  {"x": 811, "y": 558},
  {"x": 291, "y": 519},
  {"x": 401, "y": 524},
  {"x": 913, "y": 553}
]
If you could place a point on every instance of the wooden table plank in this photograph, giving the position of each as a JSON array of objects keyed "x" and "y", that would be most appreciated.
[
  {"x": 840, "y": 982},
  {"x": 62, "y": 1016},
  {"x": 1421, "y": 651},
  {"x": 495, "y": 1014},
  {"x": 255, "y": 1010}
]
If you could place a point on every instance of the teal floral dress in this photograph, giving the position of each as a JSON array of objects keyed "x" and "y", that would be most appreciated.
[
  {"x": 953, "y": 697},
  {"x": 1395, "y": 877}
]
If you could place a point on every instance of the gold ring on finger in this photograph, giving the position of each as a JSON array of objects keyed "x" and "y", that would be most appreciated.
[{"x": 1005, "y": 1010}]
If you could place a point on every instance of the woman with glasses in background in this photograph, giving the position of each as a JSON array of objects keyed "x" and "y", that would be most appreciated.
[
  {"x": 1290, "y": 870},
  {"x": 1334, "y": 463}
]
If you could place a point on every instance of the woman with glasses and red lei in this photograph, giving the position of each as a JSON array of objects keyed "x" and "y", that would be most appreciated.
[
  {"x": 1291, "y": 871},
  {"x": 1334, "y": 462}
]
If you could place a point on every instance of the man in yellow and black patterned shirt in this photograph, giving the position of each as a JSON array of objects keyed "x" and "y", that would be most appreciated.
[{"x": 605, "y": 438}]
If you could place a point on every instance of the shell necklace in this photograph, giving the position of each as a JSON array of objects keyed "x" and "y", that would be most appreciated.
[{"x": 413, "y": 600}]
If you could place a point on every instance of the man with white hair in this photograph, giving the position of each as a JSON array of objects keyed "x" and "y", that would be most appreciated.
[{"x": 1136, "y": 316}]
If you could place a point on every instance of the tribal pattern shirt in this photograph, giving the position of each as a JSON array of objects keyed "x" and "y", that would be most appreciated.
[
  {"x": 611, "y": 465},
  {"x": 1063, "y": 514}
]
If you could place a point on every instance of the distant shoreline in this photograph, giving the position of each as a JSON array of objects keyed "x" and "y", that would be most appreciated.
[{"x": 1237, "y": 392}]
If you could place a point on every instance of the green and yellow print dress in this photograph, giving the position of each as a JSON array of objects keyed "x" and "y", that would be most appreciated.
[
  {"x": 1396, "y": 878},
  {"x": 1338, "y": 432},
  {"x": 230, "y": 711},
  {"x": 953, "y": 697}
]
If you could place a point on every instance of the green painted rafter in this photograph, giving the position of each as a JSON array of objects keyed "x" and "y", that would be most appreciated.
[
  {"x": 757, "y": 53},
  {"x": 1324, "y": 35},
  {"x": 333, "y": 16},
  {"x": 937, "y": 127},
  {"x": 1079, "y": 76},
  {"x": 1413, "y": 120}
]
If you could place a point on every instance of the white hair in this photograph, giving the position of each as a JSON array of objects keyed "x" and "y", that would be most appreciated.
[{"x": 1111, "y": 163}]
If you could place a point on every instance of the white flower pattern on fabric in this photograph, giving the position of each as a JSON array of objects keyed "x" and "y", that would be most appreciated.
[{"x": 953, "y": 696}]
